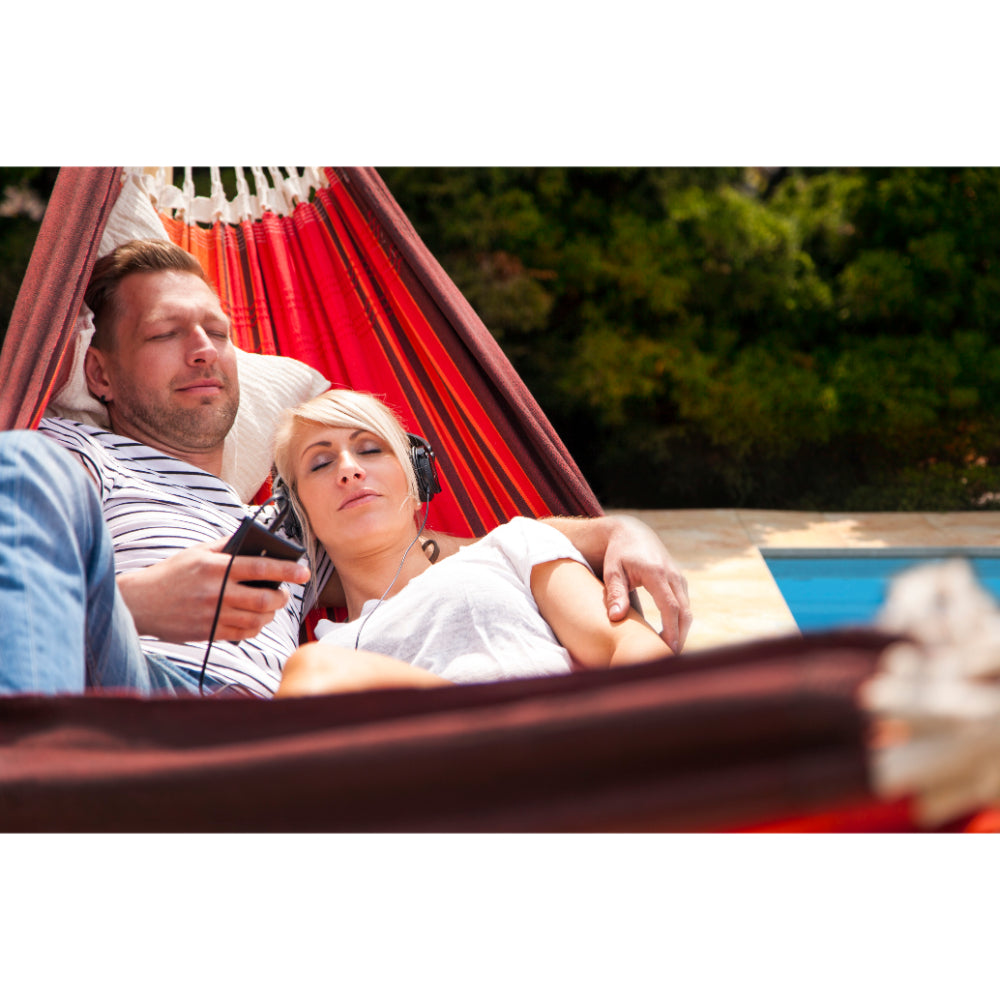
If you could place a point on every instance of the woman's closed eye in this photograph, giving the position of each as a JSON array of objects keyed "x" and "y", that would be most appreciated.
[
  {"x": 321, "y": 461},
  {"x": 367, "y": 445}
]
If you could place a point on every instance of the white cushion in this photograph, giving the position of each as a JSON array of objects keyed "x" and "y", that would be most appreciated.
[{"x": 268, "y": 385}]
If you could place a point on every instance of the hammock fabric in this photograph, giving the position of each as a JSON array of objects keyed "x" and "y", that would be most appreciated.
[
  {"x": 759, "y": 736},
  {"x": 727, "y": 740},
  {"x": 344, "y": 284},
  {"x": 51, "y": 294}
]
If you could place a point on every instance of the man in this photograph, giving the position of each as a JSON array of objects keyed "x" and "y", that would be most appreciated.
[{"x": 163, "y": 364}]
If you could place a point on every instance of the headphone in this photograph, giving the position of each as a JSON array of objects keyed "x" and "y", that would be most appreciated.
[{"x": 421, "y": 457}]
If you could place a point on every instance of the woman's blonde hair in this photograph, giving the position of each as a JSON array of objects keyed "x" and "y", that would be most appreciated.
[{"x": 336, "y": 408}]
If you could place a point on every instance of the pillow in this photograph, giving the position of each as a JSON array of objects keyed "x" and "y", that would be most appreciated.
[
  {"x": 268, "y": 384},
  {"x": 133, "y": 216}
]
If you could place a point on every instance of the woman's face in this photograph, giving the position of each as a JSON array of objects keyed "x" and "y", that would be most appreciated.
[{"x": 352, "y": 488}]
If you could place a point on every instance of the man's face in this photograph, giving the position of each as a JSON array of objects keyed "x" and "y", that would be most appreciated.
[{"x": 171, "y": 373}]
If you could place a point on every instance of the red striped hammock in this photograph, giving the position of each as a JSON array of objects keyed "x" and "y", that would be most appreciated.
[
  {"x": 344, "y": 284},
  {"x": 762, "y": 736},
  {"x": 327, "y": 286}
]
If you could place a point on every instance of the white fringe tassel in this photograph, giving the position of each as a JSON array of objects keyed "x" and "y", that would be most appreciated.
[
  {"x": 279, "y": 193},
  {"x": 942, "y": 691}
]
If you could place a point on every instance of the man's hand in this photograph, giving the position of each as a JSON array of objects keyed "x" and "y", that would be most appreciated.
[
  {"x": 635, "y": 557},
  {"x": 175, "y": 599},
  {"x": 626, "y": 553}
]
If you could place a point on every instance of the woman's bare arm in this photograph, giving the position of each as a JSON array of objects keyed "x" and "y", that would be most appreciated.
[
  {"x": 321, "y": 668},
  {"x": 571, "y": 600}
]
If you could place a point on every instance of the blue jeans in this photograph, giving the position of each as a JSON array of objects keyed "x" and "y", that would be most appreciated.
[{"x": 63, "y": 624}]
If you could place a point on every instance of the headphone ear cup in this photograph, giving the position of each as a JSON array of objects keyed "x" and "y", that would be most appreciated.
[
  {"x": 422, "y": 459},
  {"x": 286, "y": 512}
]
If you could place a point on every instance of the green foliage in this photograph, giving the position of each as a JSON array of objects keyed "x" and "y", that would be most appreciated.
[
  {"x": 21, "y": 189},
  {"x": 793, "y": 338}
]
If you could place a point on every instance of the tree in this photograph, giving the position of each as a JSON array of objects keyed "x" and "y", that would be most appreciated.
[
  {"x": 24, "y": 192},
  {"x": 739, "y": 337}
]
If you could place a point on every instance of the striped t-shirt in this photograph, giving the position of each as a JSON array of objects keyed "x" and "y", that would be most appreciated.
[{"x": 155, "y": 506}]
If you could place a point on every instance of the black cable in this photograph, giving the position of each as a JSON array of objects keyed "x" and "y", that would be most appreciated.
[
  {"x": 357, "y": 638},
  {"x": 222, "y": 590}
]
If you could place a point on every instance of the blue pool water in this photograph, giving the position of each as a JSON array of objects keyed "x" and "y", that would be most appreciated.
[{"x": 840, "y": 591}]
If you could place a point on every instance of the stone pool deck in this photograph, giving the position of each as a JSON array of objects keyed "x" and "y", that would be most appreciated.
[{"x": 733, "y": 595}]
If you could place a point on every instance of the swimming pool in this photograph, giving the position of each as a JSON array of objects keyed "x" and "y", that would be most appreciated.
[{"x": 847, "y": 587}]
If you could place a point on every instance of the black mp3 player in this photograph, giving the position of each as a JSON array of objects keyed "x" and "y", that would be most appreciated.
[{"x": 253, "y": 540}]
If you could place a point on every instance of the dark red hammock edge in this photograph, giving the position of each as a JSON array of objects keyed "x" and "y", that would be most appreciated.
[
  {"x": 52, "y": 291},
  {"x": 760, "y": 736},
  {"x": 723, "y": 740}
]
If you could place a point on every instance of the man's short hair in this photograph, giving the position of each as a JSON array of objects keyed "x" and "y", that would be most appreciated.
[{"x": 130, "y": 258}]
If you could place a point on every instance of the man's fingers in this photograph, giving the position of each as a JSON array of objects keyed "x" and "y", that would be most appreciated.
[
  {"x": 246, "y": 610},
  {"x": 262, "y": 568},
  {"x": 687, "y": 617},
  {"x": 616, "y": 595},
  {"x": 674, "y": 630},
  {"x": 236, "y": 625},
  {"x": 254, "y": 600},
  {"x": 669, "y": 621},
  {"x": 674, "y": 605}
]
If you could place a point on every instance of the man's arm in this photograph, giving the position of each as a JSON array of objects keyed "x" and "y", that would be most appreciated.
[
  {"x": 626, "y": 553},
  {"x": 175, "y": 599}
]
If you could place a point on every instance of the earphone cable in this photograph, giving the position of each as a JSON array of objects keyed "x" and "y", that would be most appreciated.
[
  {"x": 215, "y": 623},
  {"x": 402, "y": 561},
  {"x": 218, "y": 603}
]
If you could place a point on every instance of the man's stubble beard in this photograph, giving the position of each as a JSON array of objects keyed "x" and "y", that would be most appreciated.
[{"x": 200, "y": 428}]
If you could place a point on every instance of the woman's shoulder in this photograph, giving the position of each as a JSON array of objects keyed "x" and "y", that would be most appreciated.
[{"x": 523, "y": 539}]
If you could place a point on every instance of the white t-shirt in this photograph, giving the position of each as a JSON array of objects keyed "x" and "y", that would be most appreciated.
[
  {"x": 470, "y": 617},
  {"x": 155, "y": 506}
]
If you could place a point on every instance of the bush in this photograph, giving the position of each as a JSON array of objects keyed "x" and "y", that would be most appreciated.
[{"x": 793, "y": 338}]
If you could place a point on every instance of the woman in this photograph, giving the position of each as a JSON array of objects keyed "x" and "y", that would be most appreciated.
[{"x": 520, "y": 602}]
